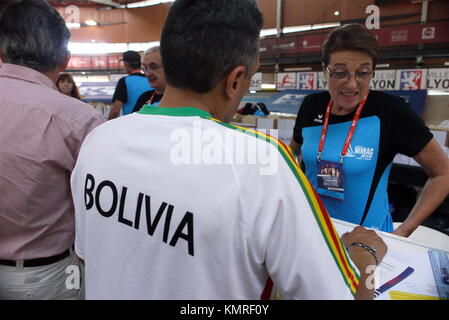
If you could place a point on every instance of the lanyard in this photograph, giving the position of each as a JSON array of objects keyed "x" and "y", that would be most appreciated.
[
  {"x": 350, "y": 133},
  {"x": 152, "y": 98}
]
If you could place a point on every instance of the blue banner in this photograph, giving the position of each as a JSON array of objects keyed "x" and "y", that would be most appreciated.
[
  {"x": 97, "y": 91},
  {"x": 289, "y": 101},
  {"x": 416, "y": 98}
]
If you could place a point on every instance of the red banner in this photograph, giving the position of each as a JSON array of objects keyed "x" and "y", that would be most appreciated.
[
  {"x": 104, "y": 62},
  {"x": 83, "y": 63},
  {"x": 100, "y": 63},
  {"x": 437, "y": 32},
  {"x": 413, "y": 34},
  {"x": 114, "y": 62}
]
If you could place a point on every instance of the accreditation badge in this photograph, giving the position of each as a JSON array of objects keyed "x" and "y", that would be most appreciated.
[{"x": 330, "y": 179}]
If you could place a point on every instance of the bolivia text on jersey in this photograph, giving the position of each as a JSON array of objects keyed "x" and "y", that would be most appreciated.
[{"x": 92, "y": 197}]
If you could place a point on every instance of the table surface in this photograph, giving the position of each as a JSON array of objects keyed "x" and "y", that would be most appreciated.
[{"x": 402, "y": 254}]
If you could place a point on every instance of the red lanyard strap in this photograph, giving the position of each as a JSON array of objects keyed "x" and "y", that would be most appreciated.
[
  {"x": 350, "y": 133},
  {"x": 150, "y": 102}
]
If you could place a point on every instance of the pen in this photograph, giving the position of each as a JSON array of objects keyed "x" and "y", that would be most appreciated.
[{"x": 388, "y": 285}]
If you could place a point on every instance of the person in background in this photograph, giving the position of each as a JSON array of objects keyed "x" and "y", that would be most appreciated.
[
  {"x": 154, "y": 71},
  {"x": 67, "y": 86},
  {"x": 175, "y": 229},
  {"x": 359, "y": 132},
  {"x": 129, "y": 88},
  {"x": 41, "y": 134}
]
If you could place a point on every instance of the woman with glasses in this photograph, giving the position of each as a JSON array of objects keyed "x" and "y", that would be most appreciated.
[{"x": 348, "y": 136}]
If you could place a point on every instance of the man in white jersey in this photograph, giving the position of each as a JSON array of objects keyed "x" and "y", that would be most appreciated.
[{"x": 185, "y": 206}]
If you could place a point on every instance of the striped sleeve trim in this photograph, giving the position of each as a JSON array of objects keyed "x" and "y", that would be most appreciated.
[{"x": 321, "y": 215}]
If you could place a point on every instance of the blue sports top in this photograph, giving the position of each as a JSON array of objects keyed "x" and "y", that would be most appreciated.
[
  {"x": 129, "y": 89},
  {"x": 387, "y": 126}
]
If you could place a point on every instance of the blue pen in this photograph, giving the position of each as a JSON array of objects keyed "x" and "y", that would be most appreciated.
[{"x": 388, "y": 285}]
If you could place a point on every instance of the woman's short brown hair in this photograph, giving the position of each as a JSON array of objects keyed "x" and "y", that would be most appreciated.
[{"x": 354, "y": 37}]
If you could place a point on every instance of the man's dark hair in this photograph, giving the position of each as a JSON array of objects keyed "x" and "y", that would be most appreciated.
[
  {"x": 203, "y": 40},
  {"x": 354, "y": 37},
  {"x": 34, "y": 35},
  {"x": 4, "y": 4}
]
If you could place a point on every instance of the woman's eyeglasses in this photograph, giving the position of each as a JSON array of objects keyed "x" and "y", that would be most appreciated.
[{"x": 345, "y": 76}]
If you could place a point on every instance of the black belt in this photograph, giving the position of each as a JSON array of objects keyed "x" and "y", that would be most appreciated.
[{"x": 37, "y": 262}]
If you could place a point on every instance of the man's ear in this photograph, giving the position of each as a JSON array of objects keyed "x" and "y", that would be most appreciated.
[
  {"x": 65, "y": 62},
  {"x": 234, "y": 82},
  {"x": 126, "y": 64}
]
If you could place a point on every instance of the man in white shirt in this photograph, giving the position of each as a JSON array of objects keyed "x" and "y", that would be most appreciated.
[{"x": 185, "y": 206}]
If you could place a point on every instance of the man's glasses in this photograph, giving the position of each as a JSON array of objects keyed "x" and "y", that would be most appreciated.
[
  {"x": 345, "y": 76},
  {"x": 151, "y": 67}
]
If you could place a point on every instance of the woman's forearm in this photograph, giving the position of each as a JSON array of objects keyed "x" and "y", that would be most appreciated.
[{"x": 433, "y": 194}]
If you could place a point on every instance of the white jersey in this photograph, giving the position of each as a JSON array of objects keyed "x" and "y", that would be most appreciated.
[{"x": 172, "y": 204}]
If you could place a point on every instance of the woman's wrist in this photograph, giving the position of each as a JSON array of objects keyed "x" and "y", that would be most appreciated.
[{"x": 405, "y": 230}]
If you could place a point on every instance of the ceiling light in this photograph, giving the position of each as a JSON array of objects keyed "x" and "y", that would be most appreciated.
[
  {"x": 298, "y": 69},
  {"x": 91, "y": 23},
  {"x": 104, "y": 48},
  {"x": 73, "y": 25},
  {"x": 97, "y": 48},
  {"x": 325, "y": 25},
  {"x": 336, "y": 13},
  {"x": 146, "y": 3},
  {"x": 268, "y": 32},
  {"x": 143, "y": 46},
  {"x": 296, "y": 29},
  {"x": 306, "y": 27},
  {"x": 266, "y": 86}
]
